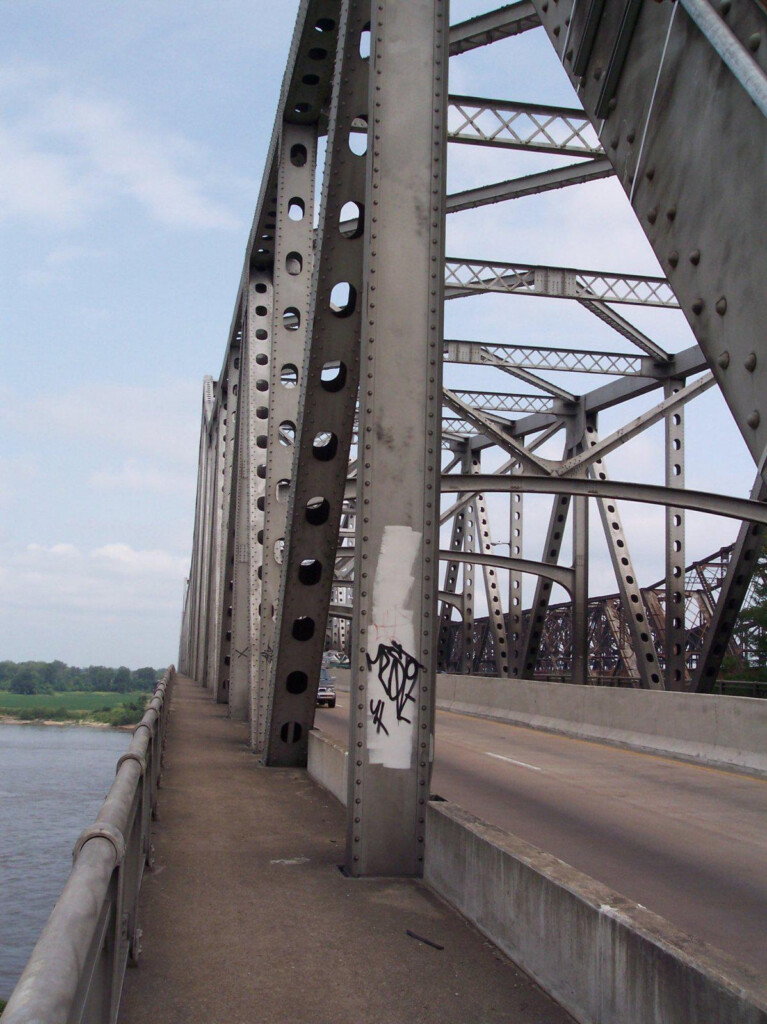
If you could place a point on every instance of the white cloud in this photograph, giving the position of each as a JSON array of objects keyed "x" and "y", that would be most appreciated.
[
  {"x": 54, "y": 549},
  {"x": 123, "y": 559},
  {"x": 113, "y": 604},
  {"x": 111, "y": 579},
  {"x": 63, "y": 154},
  {"x": 58, "y": 262}
]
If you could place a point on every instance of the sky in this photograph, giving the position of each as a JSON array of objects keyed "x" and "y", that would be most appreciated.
[{"x": 132, "y": 142}]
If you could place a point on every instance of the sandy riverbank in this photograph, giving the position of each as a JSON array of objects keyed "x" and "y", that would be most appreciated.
[{"x": 8, "y": 720}]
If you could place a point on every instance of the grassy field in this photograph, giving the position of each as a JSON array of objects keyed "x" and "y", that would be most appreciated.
[
  {"x": 116, "y": 709},
  {"x": 69, "y": 701}
]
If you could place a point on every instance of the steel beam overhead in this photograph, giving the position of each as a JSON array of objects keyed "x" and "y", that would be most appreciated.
[
  {"x": 467, "y": 277},
  {"x": 653, "y": 494},
  {"x": 608, "y": 316},
  {"x": 557, "y": 130},
  {"x": 731, "y": 597},
  {"x": 675, "y": 401},
  {"x": 713, "y": 252},
  {"x": 530, "y": 185},
  {"x": 620, "y": 364},
  {"x": 560, "y": 574},
  {"x": 510, "y": 20}
]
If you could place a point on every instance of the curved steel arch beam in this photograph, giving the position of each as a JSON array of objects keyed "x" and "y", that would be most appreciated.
[
  {"x": 651, "y": 494},
  {"x": 559, "y": 573}
]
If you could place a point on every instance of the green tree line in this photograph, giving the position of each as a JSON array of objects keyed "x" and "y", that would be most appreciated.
[{"x": 56, "y": 677}]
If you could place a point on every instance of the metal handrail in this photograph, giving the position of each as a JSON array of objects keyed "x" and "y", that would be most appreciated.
[{"x": 76, "y": 970}]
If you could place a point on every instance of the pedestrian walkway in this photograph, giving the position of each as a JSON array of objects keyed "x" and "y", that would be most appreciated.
[{"x": 247, "y": 918}]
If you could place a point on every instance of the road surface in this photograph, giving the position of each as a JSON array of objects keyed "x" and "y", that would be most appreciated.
[{"x": 685, "y": 841}]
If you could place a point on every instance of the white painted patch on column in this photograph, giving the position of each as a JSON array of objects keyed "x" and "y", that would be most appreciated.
[{"x": 391, "y": 625}]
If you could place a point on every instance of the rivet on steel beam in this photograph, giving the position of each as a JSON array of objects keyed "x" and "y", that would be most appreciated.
[
  {"x": 721, "y": 306},
  {"x": 650, "y": 173},
  {"x": 630, "y": 136},
  {"x": 557, "y": 30},
  {"x": 695, "y": 257},
  {"x": 724, "y": 360},
  {"x": 597, "y": 74},
  {"x": 652, "y": 216},
  {"x": 544, "y": 7},
  {"x": 750, "y": 363},
  {"x": 697, "y": 306},
  {"x": 612, "y": 103},
  {"x": 671, "y": 213},
  {"x": 673, "y": 258},
  {"x": 569, "y": 54},
  {"x": 753, "y": 419},
  {"x": 754, "y": 41},
  {"x": 614, "y": 142},
  {"x": 725, "y": 6}
]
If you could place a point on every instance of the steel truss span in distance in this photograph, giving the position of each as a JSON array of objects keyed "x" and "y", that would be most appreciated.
[{"x": 369, "y": 446}]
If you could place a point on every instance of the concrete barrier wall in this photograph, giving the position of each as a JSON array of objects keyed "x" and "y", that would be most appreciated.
[
  {"x": 604, "y": 958},
  {"x": 726, "y": 732},
  {"x": 328, "y": 764}
]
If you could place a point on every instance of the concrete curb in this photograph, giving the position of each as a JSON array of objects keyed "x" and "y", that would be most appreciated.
[{"x": 603, "y": 957}]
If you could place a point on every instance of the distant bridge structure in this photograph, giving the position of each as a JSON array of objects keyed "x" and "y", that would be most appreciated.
[
  {"x": 611, "y": 657},
  {"x": 352, "y": 455}
]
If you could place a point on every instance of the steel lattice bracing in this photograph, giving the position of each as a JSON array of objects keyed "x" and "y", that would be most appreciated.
[{"x": 329, "y": 434}]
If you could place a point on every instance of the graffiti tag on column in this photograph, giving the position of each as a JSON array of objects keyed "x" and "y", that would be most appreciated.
[
  {"x": 268, "y": 654},
  {"x": 398, "y": 674}
]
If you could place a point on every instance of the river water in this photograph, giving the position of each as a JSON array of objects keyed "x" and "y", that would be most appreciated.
[{"x": 53, "y": 780}]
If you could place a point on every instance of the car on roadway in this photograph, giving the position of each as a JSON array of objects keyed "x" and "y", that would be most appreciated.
[{"x": 326, "y": 693}]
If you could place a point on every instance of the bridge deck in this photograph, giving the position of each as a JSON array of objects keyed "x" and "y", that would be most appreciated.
[{"x": 247, "y": 917}]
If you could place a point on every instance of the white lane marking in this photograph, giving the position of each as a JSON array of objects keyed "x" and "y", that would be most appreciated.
[
  {"x": 522, "y": 764},
  {"x": 291, "y": 861}
]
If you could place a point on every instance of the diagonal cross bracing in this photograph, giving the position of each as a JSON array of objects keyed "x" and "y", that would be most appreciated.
[
  {"x": 466, "y": 277},
  {"x": 485, "y": 122}
]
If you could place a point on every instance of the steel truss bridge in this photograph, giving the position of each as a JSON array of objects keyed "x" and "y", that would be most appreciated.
[
  {"x": 352, "y": 456},
  {"x": 611, "y": 658}
]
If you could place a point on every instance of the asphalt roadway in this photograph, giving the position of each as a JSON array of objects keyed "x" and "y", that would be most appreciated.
[{"x": 686, "y": 841}]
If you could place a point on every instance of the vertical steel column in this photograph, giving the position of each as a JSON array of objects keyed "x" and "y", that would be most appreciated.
[
  {"x": 327, "y": 402},
  {"x": 451, "y": 581},
  {"x": 743, "y": 561},
  {"x": 470, "y": 465},
  {"x": 397, "y": 565},
  {"x": 676, "y": 634},
  {"x": 210, "y": 665},
  {"x": 183, "y": 644},
  {"x": 492, "y": 592},
  {"x": 195, "y": 570},
  {"x": 580, "y": 605},
  {"x": 239, "y": 631},
  {"x": 278, "y": 384},
  {"x": 553, "y": 545},
  {"x": 211, "y": 491},
  {"x": 516, "y": 542},
  {"x": 644, "y": 657},
  {"x": 223, "y": 635},
  {"x": 246, "y": 604}
]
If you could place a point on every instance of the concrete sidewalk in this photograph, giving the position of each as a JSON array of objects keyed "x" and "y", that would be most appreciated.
[{"x": 248, "y": 920}]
